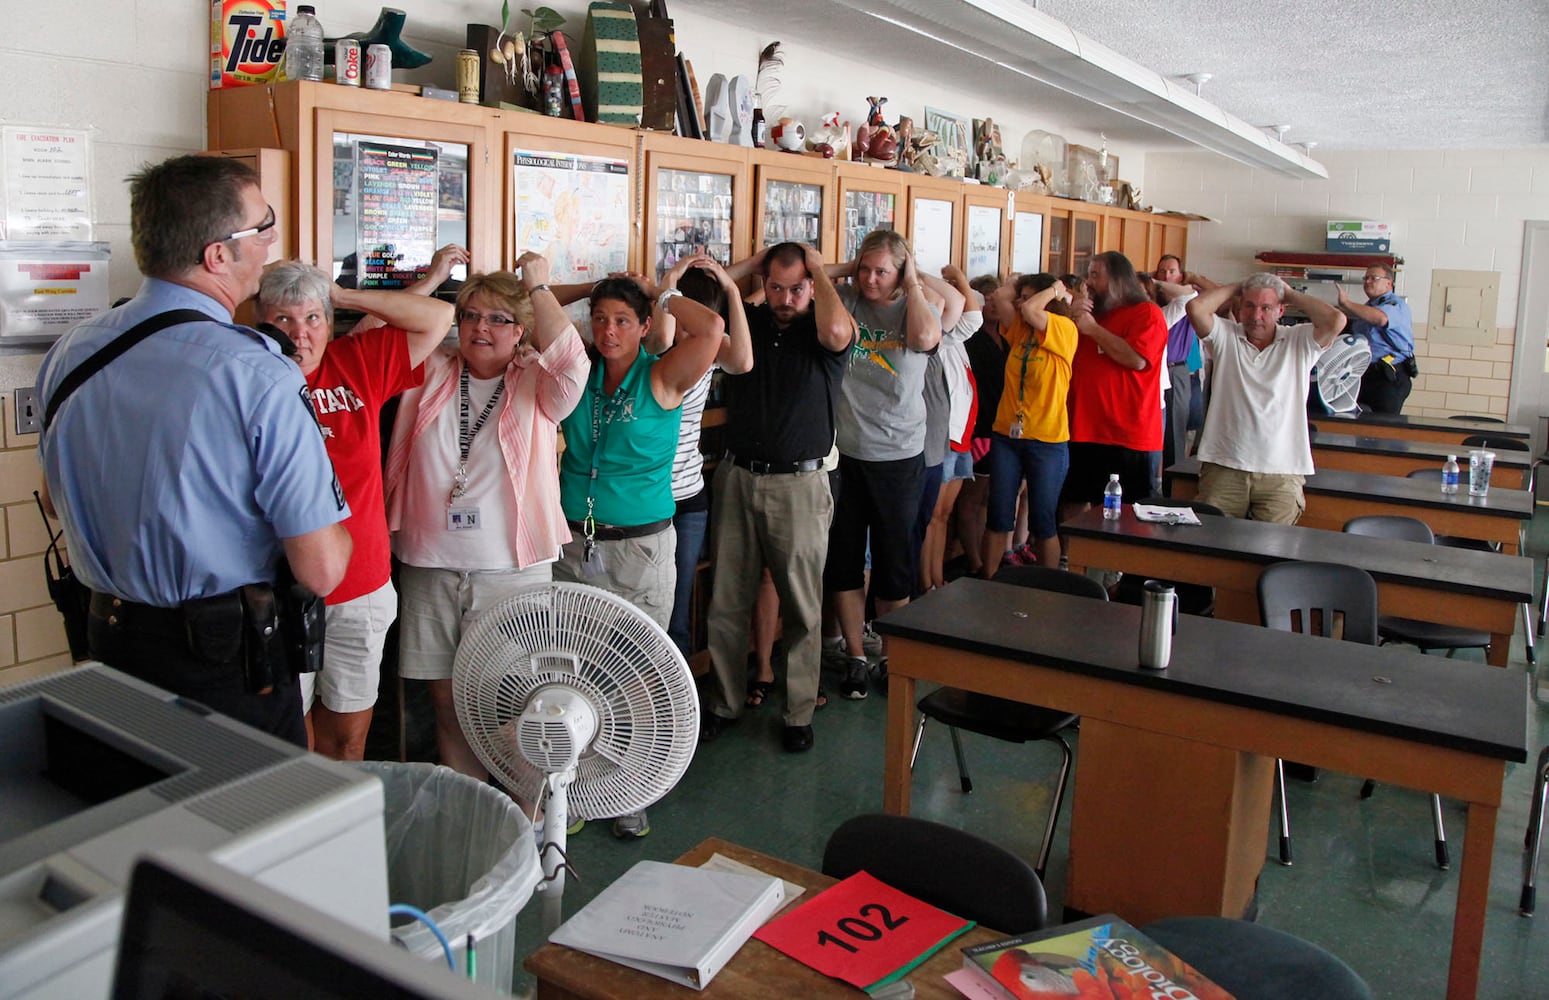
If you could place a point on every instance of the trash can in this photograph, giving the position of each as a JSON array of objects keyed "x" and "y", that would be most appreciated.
[{"x": 463, "y": 852}]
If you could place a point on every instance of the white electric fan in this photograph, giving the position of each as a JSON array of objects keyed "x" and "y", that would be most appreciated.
[
  {"x": 1336, "y": 378},
  {"x": 574, "y": 698}
]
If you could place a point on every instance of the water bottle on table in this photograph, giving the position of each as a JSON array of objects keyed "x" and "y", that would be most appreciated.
[
  {"x": 1113, "y": 498},
  {"x": 1449, "y": 475}
]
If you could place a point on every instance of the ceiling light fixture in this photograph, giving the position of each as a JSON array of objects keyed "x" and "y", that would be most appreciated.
[
  {"x": 1279, "y": 130},
  {"x": 1199, "y": 80}
]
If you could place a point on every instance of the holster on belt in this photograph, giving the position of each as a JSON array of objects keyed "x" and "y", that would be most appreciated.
[
  {"x": 261, "y": 636},
  {"x": 302, "y": 620}
]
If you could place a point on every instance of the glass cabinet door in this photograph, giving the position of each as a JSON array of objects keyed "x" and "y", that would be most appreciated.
[
  {"x": 866, "y": 212},
  {"x": 793, "y": 211},
  {"x": 1059, "y": 242},
  {"x": 1083, "y": 241},
  {"x": 395, "y": 200},
  {"x": 693, "y": 215}
]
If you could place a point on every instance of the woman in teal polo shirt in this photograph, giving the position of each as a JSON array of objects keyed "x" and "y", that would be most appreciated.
[{"x": 615, "y": 478}]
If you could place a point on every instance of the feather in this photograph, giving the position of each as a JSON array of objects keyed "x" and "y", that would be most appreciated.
[{"x": 766, "y": 85}]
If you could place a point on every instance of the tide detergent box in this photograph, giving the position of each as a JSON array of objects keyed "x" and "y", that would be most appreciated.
[{"x": 247, "y": 38}]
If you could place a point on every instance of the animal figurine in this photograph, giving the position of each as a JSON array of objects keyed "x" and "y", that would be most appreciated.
[{"x": 830, "y": 134}]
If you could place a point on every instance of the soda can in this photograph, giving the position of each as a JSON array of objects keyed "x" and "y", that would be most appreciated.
[
  {"x": 468, "y": 76},
  {"x": 346, "y": 62},
  {"x": 379, "y": 67}
]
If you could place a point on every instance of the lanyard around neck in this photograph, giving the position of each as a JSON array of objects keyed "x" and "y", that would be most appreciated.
[{"x": 465, "y": 434}]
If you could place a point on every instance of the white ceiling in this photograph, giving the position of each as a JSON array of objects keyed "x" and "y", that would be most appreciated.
[{"x": 1342, "y": 73}]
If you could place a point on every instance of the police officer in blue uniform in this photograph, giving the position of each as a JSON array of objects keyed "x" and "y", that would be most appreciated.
[
  {"x": 1386, "y": 324},
  {"x": 185, "y": 468}
]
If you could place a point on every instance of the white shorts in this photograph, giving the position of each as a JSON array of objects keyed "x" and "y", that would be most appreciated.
[
  {"x": 439, "y": 604},
  {"x": 352, "y": 652}
]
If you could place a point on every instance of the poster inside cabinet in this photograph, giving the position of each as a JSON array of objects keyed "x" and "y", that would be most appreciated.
[
  {"x": 395, "y": 201},
  {"x": 984, "y": 224},
  {"x": 693, "y": 215},
  {"x": 574, "y": 210},
  {"x": 864, "y": 213}
]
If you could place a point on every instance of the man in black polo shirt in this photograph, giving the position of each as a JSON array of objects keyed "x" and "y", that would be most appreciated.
[{"x": 771, "y": 503}]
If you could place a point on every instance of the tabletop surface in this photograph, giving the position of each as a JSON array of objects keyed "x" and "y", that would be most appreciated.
[
  {"x": 1498, "y": 502},
  {"x": 1487, "y": 574},
  {"x": 1426, "y": 453},
  {"x": 1433, "y": 700},
  {"x": 757, "y": 970},
  {"x": 1463, "y": 426}
]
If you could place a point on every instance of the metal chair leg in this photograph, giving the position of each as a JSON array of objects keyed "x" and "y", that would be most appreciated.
[
  {"x": 1443, "y": 858},
  {"x": 919, "y": 735},
  {"x": 1285, "y": 816},
  {"x": 1534, "y": 840},
  {"x": 962, "y": 765},
  {"x": 1527, "y": 636},
  {"x": 1054, "y": 809}
]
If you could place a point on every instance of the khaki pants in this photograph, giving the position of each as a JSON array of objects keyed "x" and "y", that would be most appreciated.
[
  {"x": 780, "y": 521},
  {"x": 1262, "y": 496}
]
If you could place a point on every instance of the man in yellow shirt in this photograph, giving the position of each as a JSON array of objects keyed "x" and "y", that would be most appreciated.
[{"x": 1032, "y": 428}]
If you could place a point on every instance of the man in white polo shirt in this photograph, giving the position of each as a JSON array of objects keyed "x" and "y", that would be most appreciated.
[{"x": 1254, "y": 452}]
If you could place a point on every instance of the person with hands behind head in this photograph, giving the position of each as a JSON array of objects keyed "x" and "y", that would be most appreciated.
[
  {"x": 881, "y": 435},
  {"x": 701, "y": 278},
  {"x": 620, "y": 441},
  {"x": 348, "y": 381},
  {"x": 1254, "y": 451},
  {"x": 950, "y": 409},
  {"x": 773, "y": 502},
  {"x": 472, "y": 491},
  {"x": 1032, "y": 424}
]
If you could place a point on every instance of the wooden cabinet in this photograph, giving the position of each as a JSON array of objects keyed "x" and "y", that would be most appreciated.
[
  {"x": 696, "y": 198},
  {"x": 935, "y": 206}
]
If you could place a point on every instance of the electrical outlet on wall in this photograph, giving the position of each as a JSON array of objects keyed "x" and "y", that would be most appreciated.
[{"x": 29, "y": 420}]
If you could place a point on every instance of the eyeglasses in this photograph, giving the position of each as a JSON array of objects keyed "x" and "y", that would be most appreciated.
[
  {"x": 493, "y": 319},
  {"x": 1375, "y": 277},
  {"x": 266, "y": 226}
]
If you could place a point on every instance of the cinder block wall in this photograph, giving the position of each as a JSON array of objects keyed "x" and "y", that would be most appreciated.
[
  {"x": 1450, "y": 209},
  {"x": 32, "y": 636}
]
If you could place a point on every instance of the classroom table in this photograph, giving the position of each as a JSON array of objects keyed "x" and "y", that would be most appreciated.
[
  {"x": 757, "y": 970},
  {"x": 1433, "y": 583},
  {"x": 1175, "y": 767},
  {"x": 1442, "y": 429},
  {"x": 1399, "y": 457},
  {"x": 1335, "y": 497}
]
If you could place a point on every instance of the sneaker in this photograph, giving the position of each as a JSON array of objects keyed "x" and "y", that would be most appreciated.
[
  {"x": 871, "y": 642},
  {"x": 575, "y": 827},
  {"x": 879, "y": 675},
  {"x": 1024, "y": 556},
  {"x": 631, "y": 827},
  {"x": 855, "y": 681},
  {"x": 834, "y": 655}
]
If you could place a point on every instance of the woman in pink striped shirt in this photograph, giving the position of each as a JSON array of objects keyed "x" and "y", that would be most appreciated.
[{"x": 472, "y": 479}]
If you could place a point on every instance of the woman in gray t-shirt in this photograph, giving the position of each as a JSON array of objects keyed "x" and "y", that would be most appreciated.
[{"x": 880, "y": 427}]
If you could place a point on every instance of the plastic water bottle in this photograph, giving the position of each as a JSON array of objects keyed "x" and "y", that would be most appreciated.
[
  {"x": 304, "y": 46},
  {"x": 1449, "y": 475},
  {"x": 1113, "y": 498}
]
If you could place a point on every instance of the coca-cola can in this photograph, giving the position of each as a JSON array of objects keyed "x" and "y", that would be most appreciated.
[
  {"x": 346, "y": 62},
  {"x": 379, "y": 67}
]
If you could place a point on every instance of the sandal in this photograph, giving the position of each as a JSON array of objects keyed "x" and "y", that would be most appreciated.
[{"x": 758, "y": 693}]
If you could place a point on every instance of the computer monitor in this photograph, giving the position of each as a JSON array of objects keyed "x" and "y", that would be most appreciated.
[{"x": 193, "y": 929}]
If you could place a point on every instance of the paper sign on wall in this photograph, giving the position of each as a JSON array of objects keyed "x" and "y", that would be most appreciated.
[
  {"x": 47, "y": 184},
  {"x": 48, "y": 287}
]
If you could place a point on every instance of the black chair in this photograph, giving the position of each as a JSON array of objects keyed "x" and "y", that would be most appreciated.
[
  {"x": 1426, "y": 635},
  {"x": 1002, "y": 718},
  {"x": 1253, "y": 962},
  {"x": 1193, "y": 598},
  {"x": 1535, "y": 833},
  {"x": 965, "y": 875}
]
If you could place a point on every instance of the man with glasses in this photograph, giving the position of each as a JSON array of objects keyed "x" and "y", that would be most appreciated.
[
  {"x": 1386, "y": 324},
  {"x": 184, "y": 468}
]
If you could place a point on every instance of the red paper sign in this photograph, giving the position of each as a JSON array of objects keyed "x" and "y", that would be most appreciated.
[{"x": 862, "y": 931}]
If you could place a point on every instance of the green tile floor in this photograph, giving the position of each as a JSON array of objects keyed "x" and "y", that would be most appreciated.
[{"x": 1364, "y": 884}]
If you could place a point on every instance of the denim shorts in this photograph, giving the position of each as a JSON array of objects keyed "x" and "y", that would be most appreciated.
[
  {"x": 958, "y": 465},
  {"x": 1043, "y": 465}
]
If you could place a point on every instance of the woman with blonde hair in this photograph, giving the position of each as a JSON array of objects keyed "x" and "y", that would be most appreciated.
[{"x": 472, "y": 480}]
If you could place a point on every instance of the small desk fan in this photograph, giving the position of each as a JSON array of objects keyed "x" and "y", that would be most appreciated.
[
  {"x": 1336, "y": 378},
  {"x": 571, "y": 693}
]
